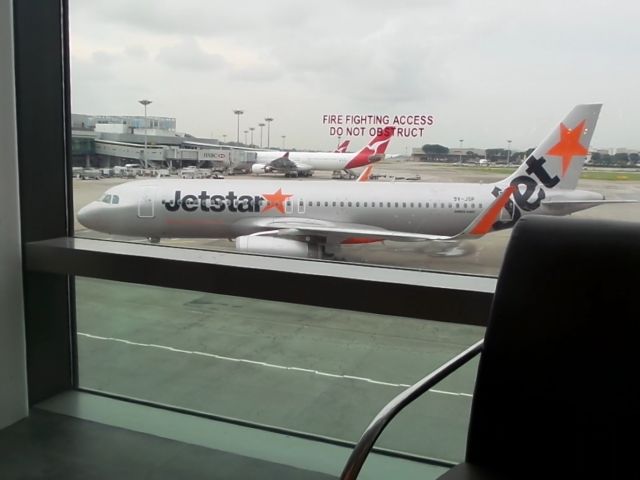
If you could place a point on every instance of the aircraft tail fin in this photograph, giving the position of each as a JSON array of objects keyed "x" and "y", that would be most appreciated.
[
  {"x": 372, "y": 151},
  {"x": 559, "y": 159},
  {"x": 342, "y": 148},
  {"x": 484, "y": 223},
  {"x": 366, "y": 174}
]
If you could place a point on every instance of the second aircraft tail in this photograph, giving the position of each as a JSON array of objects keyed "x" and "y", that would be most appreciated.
[{"x": 373, "y": 151}]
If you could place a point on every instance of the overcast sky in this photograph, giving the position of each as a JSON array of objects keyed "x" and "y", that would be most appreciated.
[{"x": 487, "y": 70}]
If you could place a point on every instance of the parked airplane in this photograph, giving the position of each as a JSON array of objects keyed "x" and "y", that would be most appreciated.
[
  {"x": 314, "y": 218},
  {"x": 342, "y": 148},
  {"x": 294, "y": 164}
]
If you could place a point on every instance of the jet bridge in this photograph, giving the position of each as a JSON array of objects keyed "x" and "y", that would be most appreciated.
[{"x": 227, "y": 160}]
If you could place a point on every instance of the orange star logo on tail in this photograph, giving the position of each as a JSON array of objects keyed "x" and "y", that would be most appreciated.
[
  {"x": 569, "y": 145},
  {"x": 275, "y": 200}
]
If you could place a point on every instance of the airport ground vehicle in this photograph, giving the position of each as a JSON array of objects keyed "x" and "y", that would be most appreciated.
[
  {"x": 194, "y": 172},
  {"x": 90, "y": 174},
  {"x": 132, "y": 170}
]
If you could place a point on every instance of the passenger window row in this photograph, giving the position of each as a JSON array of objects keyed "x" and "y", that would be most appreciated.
[{"x": 310, "y": 203}]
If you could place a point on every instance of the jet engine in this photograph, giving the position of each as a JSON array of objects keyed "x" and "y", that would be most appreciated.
[
  {"x": 258, "y": 168},
  {"x": 277, "y": 246}
]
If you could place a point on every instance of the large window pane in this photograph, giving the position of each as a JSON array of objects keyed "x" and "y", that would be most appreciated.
[
  {"x": 309, "y": 369},
  {"x": 471, "y": 87}
]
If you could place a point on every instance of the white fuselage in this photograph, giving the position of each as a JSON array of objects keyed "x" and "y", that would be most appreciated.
[
  {"x": 147, "y": 208},
  {"x": 329, "y": 161},
  {"x": 188, "y": 208}
]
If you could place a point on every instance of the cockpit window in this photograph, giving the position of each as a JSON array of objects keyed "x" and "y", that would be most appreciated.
[{"x": 111, "y": 199}]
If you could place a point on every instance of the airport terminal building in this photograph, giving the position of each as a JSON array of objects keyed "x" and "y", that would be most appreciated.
[{"x": 101, "y": 141}]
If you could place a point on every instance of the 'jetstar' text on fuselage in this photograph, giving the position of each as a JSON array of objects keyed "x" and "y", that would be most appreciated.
[{"x": 214, "y": 203}]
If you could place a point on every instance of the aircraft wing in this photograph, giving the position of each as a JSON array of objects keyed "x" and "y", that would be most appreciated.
[
  {"x": 335, "y": 231},
  {"x": 284, "y": 164},
  {"x": 302, "y": 166}
]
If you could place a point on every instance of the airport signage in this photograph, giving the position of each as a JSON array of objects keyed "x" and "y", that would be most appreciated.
[
  {"x": 213, "y": 155},
  {"x": 356, "y": 125}
]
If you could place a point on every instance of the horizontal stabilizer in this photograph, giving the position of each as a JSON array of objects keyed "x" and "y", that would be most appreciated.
[
  {"x": 585, "y": 202},
  {"x": 562, "y": 206},
  {"x": 361, "y": 231}
]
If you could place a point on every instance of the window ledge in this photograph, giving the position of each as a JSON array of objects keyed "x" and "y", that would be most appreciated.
[{"x": 385, "y": 290}]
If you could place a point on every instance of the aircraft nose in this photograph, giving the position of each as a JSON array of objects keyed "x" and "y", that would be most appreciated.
[{"x": 88, "y": 214}]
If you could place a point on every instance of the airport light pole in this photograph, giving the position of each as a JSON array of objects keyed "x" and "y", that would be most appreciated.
[
  {"x": 251, "y": 129},
  {"x": 245, "y": 136},
  {"x": 238, "y": 113},
  {"x": 144, "y": 103},
  {"x": 508, "y": 152},
  {"x": 283, "y": 137},
  {"x": 461, "y": 140},
  {"x": 268, "y": 120},
  {"x": 261, "y": 125},
  {"x": 224, "y": 138}
]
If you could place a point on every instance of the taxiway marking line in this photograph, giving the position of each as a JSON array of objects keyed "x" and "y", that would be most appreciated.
[{"x": 265, "y": 364}]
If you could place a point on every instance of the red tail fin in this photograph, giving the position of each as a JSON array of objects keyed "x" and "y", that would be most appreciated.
[{"x": 374, "y": 150}]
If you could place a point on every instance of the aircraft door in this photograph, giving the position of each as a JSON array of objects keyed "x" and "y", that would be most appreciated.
[
  {"x": 146, "y": 202},
  {"x": 300, "y": 205}
]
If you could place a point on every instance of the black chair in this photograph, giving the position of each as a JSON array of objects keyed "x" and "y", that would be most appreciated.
[{"x": 556, "y": 393}]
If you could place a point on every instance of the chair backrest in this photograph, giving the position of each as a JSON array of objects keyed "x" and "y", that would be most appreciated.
[{"x": 557, "y": 386}]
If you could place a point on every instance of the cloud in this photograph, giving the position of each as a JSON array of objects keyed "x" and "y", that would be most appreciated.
[
  {"x": 136, "y": 52},
  {"x": 479, "y": 66},
  {"x": 188, "y": 55},
  {"x": 257, "y": 73}
]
